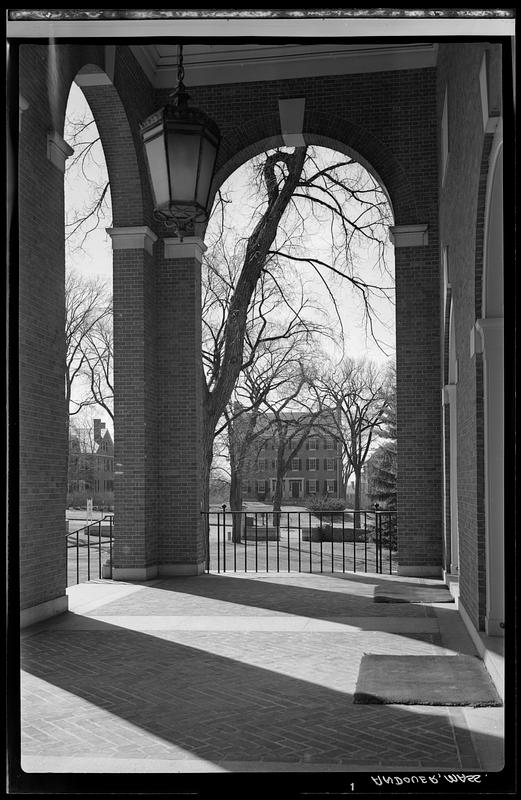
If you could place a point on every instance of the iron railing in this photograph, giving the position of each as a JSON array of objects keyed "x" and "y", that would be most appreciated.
[
  {"x": 300, "y": 541},
  {"x": 87, "y": 551}
]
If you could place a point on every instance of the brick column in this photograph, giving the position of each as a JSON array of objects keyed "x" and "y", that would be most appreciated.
[
  {"x": 450, "y": 397},
  {"x": 135, "y": 552},
  {"x": 491, "y": 330},
  {"x": 180, "y": 406},
  {"x": 42, "y": 424},
  {"x": 420, "y": 525}
]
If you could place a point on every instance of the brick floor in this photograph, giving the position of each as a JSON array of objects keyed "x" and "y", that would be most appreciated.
[{"x": 93, "y": 688}]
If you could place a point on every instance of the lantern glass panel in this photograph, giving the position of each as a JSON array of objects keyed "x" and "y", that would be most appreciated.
[
  {"x": 157, "y": 164},
  {"x": 183, "y": 155},
  {"x": 206, "y": 165},
  {"x": 156, "y": 156}
]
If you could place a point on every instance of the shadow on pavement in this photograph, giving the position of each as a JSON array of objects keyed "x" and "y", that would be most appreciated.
[
  {"x": 190, "y": 702},
  {"x": 221, "y": 594}
]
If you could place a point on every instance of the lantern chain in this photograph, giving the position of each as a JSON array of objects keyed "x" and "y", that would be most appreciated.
[{"x": 180, "y": 67}]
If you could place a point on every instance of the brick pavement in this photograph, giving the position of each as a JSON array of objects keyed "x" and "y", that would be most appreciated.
[{"x": 212, "y": 698}]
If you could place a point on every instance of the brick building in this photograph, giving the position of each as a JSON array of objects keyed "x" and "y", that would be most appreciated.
[
  {"x": 428, "y": 120},
  {"x": 315, "y": 468},
  {"x": 91, "y": 469}
]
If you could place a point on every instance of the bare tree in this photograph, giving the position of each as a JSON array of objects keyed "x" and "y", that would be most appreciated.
[
  {"x": 87, "y": 311},
  {"x": 90, "y": 208},
  {"x": 270, "y": 372},
  {"x": 291, "y": 418},
  {"x": 288, "y": 181},
  {"x": 383, "y": 462},
  {"x": 98, "y": 351},
  {"x": 295, "y": 190},
  {"x": 356, "y": 389}
]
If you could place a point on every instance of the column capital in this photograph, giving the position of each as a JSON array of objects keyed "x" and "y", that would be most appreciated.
[
  {"x": 448, "y": 394},
  {"x": 189, "y": 247},
  {"x": 409, "y": 235},
  {"x": 133, "y": 238},
  {"x": 58, "y": 150},
  {"x": 491, "y": 330}
]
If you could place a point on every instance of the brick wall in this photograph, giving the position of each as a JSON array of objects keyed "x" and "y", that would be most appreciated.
[
  {"x": 389, "y": 117},
  {"x": 42, "y": 427},
  {"x": 461, "y": 229},
  {"x": 179, "y": 409},
  {"x": 45, "y": 76},
  {"x": 135, "y": 406}
]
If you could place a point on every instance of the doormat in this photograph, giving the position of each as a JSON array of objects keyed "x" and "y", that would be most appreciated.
[
  {"x": 412, "y": 593},
  {"x": 425, "y": 681}
]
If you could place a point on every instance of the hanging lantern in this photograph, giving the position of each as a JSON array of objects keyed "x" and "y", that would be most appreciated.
[{"x": 181, "y": 146}]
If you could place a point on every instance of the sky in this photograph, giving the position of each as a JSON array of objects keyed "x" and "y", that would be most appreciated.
[{"x": 94, "y": 258}]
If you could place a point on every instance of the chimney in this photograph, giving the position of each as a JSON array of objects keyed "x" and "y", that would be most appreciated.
[{"x": 98, "y": 426}]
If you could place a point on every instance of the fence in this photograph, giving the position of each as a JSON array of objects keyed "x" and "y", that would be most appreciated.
[
  {"x": 300, "y": 541},
  {"x": 87, "y": 550}
]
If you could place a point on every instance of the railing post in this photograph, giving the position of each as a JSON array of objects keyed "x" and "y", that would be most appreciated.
[
  {"x": 256, "y": 542},
  {"x": 245, "y": 543},
  {"x": 224, "y": 535},
  {"x": 310, "y": 537},
  {"x": 266, "y": 526},
  {"x": 99, "y": 540},
  {"x": 111, "y": 519},
  {"x": 77, "y": 556},
  {"x": 378, "y": 540},
  {"x": 332, "y": 543},
  {"x": 218, "y": 540},
  {"x": 321, "y": 542},
  {"x": 298, "y": 534},
  {"x": 344, "y": 542}
]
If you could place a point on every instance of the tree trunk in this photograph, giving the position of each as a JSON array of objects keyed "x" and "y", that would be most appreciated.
[
  {"x": 279, "y": 485},
  {"x": 236, "y": 505},
  {"x": 277, "y": 502},
  {"x": 356, "y": 516},
  {"x": 259, "y": 244}
]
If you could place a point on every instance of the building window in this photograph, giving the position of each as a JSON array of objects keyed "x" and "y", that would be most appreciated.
[
  {"x": 313, "y": 443},
  {"x": 313, "y": 463},
  {"x": 262, "y": 464},
  {"x": 313, "y": 486},
  {"x": 261, "y": 487},
  {"x": 330, "y": 485},
  {"x": 330, "y": 443},
  {"x": 330, "y": 464},
  {"x": 295, "y": 464}
]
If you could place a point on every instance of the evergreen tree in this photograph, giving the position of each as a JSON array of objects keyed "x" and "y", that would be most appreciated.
[{"x": 383, "y": 468}]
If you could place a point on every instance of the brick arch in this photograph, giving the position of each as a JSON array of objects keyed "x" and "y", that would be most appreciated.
[
  {"x": 126, "y": 175},
  {"x": 336, "y": 133}
]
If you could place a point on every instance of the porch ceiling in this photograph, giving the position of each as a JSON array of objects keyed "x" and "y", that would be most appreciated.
[{"x": 208, "y": 65}]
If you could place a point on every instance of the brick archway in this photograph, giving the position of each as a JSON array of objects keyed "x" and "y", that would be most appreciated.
[
  {"x": 417, "y": 309},
  {"x": 336, "y": 133},
  {"x": 126, "y": 180},
  {"x": 157, "y": 297}
]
